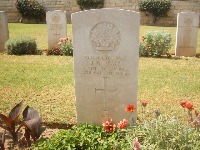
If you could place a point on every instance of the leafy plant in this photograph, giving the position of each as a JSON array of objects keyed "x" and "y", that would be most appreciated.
[
  {"x": 21, "y": 45},
  {"x": 156, "y": 8},
  {"x": 31, "y": 122},
  {"x": 66, "y": 46},
  {"x": 89, "y": 4},
  {"x": 2, "y": 140},
  {"x": 85, "y": 136},
  {"x": 10, "y": 122},
  {"x": 155, "y": 44},
  {"x": 31, "y": 9}
]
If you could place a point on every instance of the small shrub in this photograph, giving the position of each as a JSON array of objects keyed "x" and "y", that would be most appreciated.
[
  {"x": 66, "y": 46},
  {"x": 21, "y": 46},
  {"x": 86, "y": 136},
  {"x": 156, "y": 8},
  {"x": 90, "y": 4},
  {"x": 54, "y": 51},
  {"x": 31, "y": 9},
  {"x": 155, "y": 44}
]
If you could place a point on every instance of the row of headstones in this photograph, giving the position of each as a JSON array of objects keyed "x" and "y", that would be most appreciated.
[
  {"x": 186, "y": 37},
  {"x": 106, "y": 43}
]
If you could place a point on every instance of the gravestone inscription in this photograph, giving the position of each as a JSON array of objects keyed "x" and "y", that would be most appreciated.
[
  {"x": 187, "y": 33},
  {"x": 106, "y": 51},
  {"x": 56, "y": 26},
  {"x": 4, "y": 34}
]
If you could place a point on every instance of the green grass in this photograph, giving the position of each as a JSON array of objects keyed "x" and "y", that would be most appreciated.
[
  {"x": 47, "y": 82},
  {"x": 39, "y": 32}
]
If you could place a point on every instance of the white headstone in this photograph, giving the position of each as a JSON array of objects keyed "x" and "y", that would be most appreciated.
[
  {"x": 56, "y": 26},
  {"x": 187, "y": 33},
  {"x": 106, "y": 52},
  {"x": 4, "y": 35}
]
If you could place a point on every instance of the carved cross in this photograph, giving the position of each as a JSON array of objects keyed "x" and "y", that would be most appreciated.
[{"x": 105, "y": 91}]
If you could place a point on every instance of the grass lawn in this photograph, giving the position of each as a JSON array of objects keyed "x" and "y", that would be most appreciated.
[
  {"x": 47, "y": 82},
  {"x": 39, "y": 32}
]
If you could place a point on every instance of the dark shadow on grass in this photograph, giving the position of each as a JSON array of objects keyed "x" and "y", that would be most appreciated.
[{"x": 57, "y": 125}]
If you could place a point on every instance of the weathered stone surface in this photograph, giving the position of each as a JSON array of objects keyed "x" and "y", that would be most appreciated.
[
  {"x": 106, "y": 49},
  {"x": 56, "y": 26},
  {"x": 4, "y": 34},
  {"x": 187, "y": 33}
]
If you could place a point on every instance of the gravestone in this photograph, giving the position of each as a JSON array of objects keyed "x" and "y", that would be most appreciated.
[
  {"x": 56, "y": 26},
  {"x": 106, "y": 52},
  {"x": 187, "y": 33},
  {"x": 4, "y": 35}
]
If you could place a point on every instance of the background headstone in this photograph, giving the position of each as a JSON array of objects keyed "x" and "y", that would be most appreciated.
[
  {"x": 56, "y": 26},
  {"x": 106, "y": 52},
  {"x": 4, "y": 34},
  {"x": 187, "y": 33}
]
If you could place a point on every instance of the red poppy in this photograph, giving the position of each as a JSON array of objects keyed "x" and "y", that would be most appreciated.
[
  {"x": 144, "y": 103},
  {"x": 183, "y": 103},
  {"x": 130, "y": 108},
  {"x": 122, "y": 124},
  {"x": 189, "y": 106},
  {"x": 108, "y": 126}
]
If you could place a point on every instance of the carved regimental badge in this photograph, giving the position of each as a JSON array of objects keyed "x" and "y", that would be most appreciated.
[
  {"x": 105, "y": 37},
  {"x": 55, "y": 17}
]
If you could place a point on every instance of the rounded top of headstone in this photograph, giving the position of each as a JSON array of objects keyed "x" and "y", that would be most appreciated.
[{"x": 105, "y": 37}]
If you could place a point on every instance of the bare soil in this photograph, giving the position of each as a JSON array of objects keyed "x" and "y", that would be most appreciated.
[{"x": 22, "y": 144}]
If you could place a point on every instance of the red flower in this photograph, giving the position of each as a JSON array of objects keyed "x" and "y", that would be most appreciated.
[
  {"x": 189, "y": 105},
  {"x": 183, "y": 103},
  {"x": 122, "y": 124},
  {"x": 130, "y": 108},
  {"x": 144, "y": 103},
  {"x": 108, "y": 126},
  {"x": 143, "y": 38}
]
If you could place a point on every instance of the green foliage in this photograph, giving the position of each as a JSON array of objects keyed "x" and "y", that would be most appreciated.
[
  {"x": 31, "y": 9},
  {"x": 66, "y": 46},
  {"x": 155, "y": 44},
  {"x": 157, "y": 8},
  {"x": 166, "y": 133},
  {"x": 85, "y": 136},
  {"x": 21, "y": 45},
  {"x": 163, "y": 133},
  {"x": 90, "y": 4}
]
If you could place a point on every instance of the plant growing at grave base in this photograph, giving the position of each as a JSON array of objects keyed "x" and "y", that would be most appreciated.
[
  {"x": 155, "y": 44},
  {"x": 31, "y": 122},
  {"x": 31, "y": 9},
  {"x": 21, "y": 45},
  {"x": 156, "y": 8},
  {"x": 160, "y": 132},
  {"x": 90, "y": 4},
  {"x": 66, "y": 46}
]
